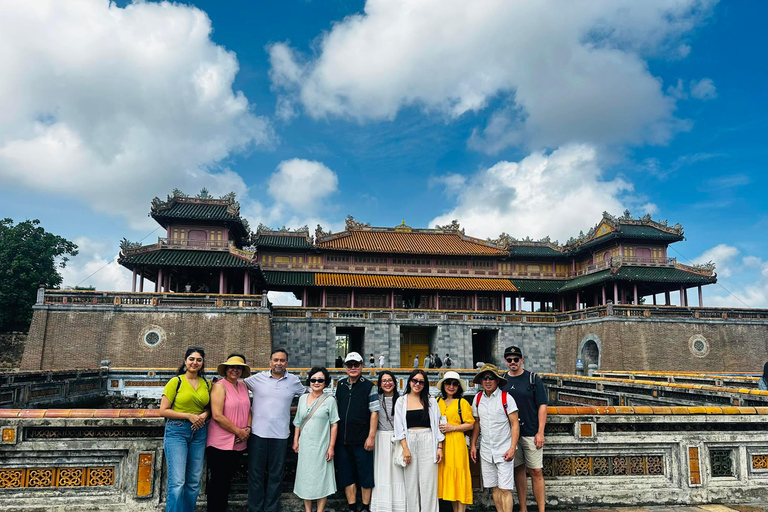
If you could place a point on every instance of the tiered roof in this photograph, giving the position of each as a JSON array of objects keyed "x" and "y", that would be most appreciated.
[
  {"x": 333, "y": 280},
  {"x": 200, "y": 209}
]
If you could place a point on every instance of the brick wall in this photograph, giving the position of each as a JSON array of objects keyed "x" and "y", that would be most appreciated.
[
  {"x": 77, "y": 338},
  {"x": 666, "y": 344}
]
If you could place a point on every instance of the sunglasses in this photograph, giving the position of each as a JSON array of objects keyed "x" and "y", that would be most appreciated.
[
  {"x": 317, "y": 381},
  {"x": 451, "y": 383},
  {"x": 488, "y": 377},
  {"x": 352, "y": 365},
  {"x": 417, "y": 382},
  {"x": 513, "y": 359}
]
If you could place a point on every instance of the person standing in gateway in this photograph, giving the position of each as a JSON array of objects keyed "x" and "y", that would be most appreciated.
[
  {"x": 273, "y": 391},
  {"x": 531, "y": 398}
]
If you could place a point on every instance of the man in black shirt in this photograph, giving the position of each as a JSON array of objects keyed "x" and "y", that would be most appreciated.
[{"x": 531, "y": 398}]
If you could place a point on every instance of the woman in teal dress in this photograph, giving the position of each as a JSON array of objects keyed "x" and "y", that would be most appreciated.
[{"x": 316, "y": 424}]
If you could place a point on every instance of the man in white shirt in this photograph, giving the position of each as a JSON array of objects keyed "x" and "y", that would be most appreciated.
[
  {"x": 496, "y": 414},
  {"x": 273, "y": 391},
  {"x": 381, "y": 361}
]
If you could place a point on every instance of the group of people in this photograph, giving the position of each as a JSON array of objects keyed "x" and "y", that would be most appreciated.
[
  {"x": 434, "y": 361},
  {"x": 404, "y": 452}
]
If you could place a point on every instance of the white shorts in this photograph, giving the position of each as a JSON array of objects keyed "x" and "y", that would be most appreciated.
[{"x": 498, "y": 474}]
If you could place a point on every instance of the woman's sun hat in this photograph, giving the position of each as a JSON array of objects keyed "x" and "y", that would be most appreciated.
[
  {"x": 234, "y": 361},
  {"x": 452, "y": 375}
]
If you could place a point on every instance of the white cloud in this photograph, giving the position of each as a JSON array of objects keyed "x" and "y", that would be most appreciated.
[
  {"x": 722, "y": 255},
  {"x": 752, "y": 261},
  {"x": 108, "y": 105},
  {"x": 571, "y": 71},
  {"x": 555, "y": 194},
  {"x": 302, "y": 184},
  {"x": 96, "y": 265},
  {"x": 703, "y": 89}
]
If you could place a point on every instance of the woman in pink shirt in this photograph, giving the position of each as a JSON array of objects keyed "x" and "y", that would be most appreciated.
[{"x": 228, "y": 432}]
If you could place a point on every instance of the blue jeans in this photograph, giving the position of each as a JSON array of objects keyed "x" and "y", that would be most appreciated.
[{"x": 184, "y": 452}]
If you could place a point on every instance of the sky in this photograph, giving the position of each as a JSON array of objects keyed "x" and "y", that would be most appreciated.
[{"x": 529, "y": 118}]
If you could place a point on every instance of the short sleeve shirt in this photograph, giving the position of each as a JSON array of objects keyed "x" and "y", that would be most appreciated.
[
  {"x": 495, "y": 431},
  {"x": 188, "y": 399},
  {"x": 271, "y": 405},
  {"x": 527, "y": 400}
]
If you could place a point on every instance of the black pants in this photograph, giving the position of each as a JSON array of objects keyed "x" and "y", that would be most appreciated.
[
  {"x": 265, "y": 455},
  {"x": 222, "y": 465}
]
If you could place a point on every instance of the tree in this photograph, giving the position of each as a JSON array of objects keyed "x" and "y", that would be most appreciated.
[{"x": 29, "y": 258}]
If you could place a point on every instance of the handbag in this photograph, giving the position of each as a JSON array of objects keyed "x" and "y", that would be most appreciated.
[{"x": 397, "y": 454}]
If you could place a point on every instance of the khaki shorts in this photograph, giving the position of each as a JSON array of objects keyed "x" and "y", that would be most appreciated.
[
  {"x": 498, "y": 474},
  {"x": 527, "y": 453}
]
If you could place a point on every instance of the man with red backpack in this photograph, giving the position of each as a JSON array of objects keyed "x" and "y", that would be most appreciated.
[{"x": 496, "y": 414}]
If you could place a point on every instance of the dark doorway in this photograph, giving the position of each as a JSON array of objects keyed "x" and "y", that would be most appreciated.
[
  {"x": 483, "y": 344},
  {"x": 349, "y": 339}
]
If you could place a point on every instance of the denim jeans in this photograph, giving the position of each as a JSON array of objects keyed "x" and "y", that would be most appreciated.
[{"x": 184, "y": 452}]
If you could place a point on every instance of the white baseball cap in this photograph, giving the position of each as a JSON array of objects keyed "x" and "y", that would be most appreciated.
[{"x": 353, "y": 356}]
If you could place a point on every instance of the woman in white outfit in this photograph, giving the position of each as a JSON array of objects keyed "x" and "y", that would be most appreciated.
[
  {"x": 389, "y": 493},
  {"x": 417, "y": 427}
]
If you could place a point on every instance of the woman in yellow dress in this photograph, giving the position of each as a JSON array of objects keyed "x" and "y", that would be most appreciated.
[{"x": 454, "y": 482}]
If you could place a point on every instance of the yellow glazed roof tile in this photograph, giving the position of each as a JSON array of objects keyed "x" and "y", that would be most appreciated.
[{"x": 414, "y": 282}]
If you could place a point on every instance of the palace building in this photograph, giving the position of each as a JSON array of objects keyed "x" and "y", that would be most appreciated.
[{"x": 208, "y": 248}]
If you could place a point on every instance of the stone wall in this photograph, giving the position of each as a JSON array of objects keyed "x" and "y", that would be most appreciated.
[
  {"x": 11, "y": 349},
  {"x": 63, "y": 337},
  {"x": 733, "y": 345},
  {"x": 311, "y": 341},
  {"x": 112, "y": 460}
]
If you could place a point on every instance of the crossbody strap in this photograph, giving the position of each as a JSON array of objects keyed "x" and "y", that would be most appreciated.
[{"x": 315, "y": 406}]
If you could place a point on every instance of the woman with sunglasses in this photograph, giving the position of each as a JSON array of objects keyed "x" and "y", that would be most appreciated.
[
  {"x": 417, "y": 428},
  {"x": 184, "y": 405},
  {"x": 316, "y": 422},
  {"x": 454, "y": 481},
  {"x": 389, "y": 493},
  {"x": 228, "y": 432}
]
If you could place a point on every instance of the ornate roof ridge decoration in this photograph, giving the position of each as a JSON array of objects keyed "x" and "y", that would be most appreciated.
[
  {"x": 303, "y": 231},
  {"x": 506, "y": 241},
  {"x": 624, "y": 220},
  {"x": 177, "y": 196}
]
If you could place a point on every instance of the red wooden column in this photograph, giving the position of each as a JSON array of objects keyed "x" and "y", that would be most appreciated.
[
  {"x": 304, "y": 299},
  {"x": 246, "y": 283},
  {"x": 141, "y": 282},
  {"x": 503, "y": 304},
  {"x": 475, "y": 301},
  {"x": 221, "y": 281},
  {"x": 635, "y": 290},
  {"x": 392, "y": 300},
  {"x": 352, "y": 303},
  {"x": 615, "y": 292},
  {"x": 133, "y": 286},
  {"x": 562, "y": 304},
  {"x": 159, "y": 283},
  {"x": 604, "y": 301},
  {"x": 324, "y": 296},
  {"x": 520, "y": 302},
  {"x": 437, "y": 300},
  {"x": 578, "y": 300}
]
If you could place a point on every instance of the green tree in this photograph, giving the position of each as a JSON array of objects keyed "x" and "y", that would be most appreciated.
[{"x": 29, "y": 258}]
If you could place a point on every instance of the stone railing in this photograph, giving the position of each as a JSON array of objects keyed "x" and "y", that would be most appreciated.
[
  {"x": 708, "y": 379},
  {"x": 38, "y": 389},
  {"x": 150, "y": 299},
  {"x": 112, "y": 459},
  {"x": 602, "y": 391},
  {"x": 441, "y": 315}
]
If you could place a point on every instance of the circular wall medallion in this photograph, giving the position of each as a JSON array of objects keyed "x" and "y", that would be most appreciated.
[
  {"x": 698, "y": 345},
  {"x": 153, "y": 336}
]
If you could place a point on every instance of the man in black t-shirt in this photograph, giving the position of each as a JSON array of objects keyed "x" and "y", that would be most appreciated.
[{"x": 531, "y": 398}]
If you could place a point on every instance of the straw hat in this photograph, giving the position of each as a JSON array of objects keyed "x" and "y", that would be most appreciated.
[
  {"x": 490, "y": 368},
  {"x": 234, "y": 361},
  {"x": 452, "y": 375}
]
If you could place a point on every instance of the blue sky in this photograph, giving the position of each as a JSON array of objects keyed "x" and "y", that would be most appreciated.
[{"x": 524, "y": 117}]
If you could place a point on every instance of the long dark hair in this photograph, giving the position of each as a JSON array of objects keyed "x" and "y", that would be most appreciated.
[
  {"x": 396, "y": 394},
  {"x": 765, "y": 373},
  {"x": 424, "y": 395},
  {"x": 181, "y": 370}
]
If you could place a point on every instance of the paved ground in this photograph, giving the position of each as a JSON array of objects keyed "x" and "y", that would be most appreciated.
[{"x": 763, "y": 507}]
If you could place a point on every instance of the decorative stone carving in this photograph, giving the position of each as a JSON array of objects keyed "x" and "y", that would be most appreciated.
[{"x": 351, "y": 223}]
